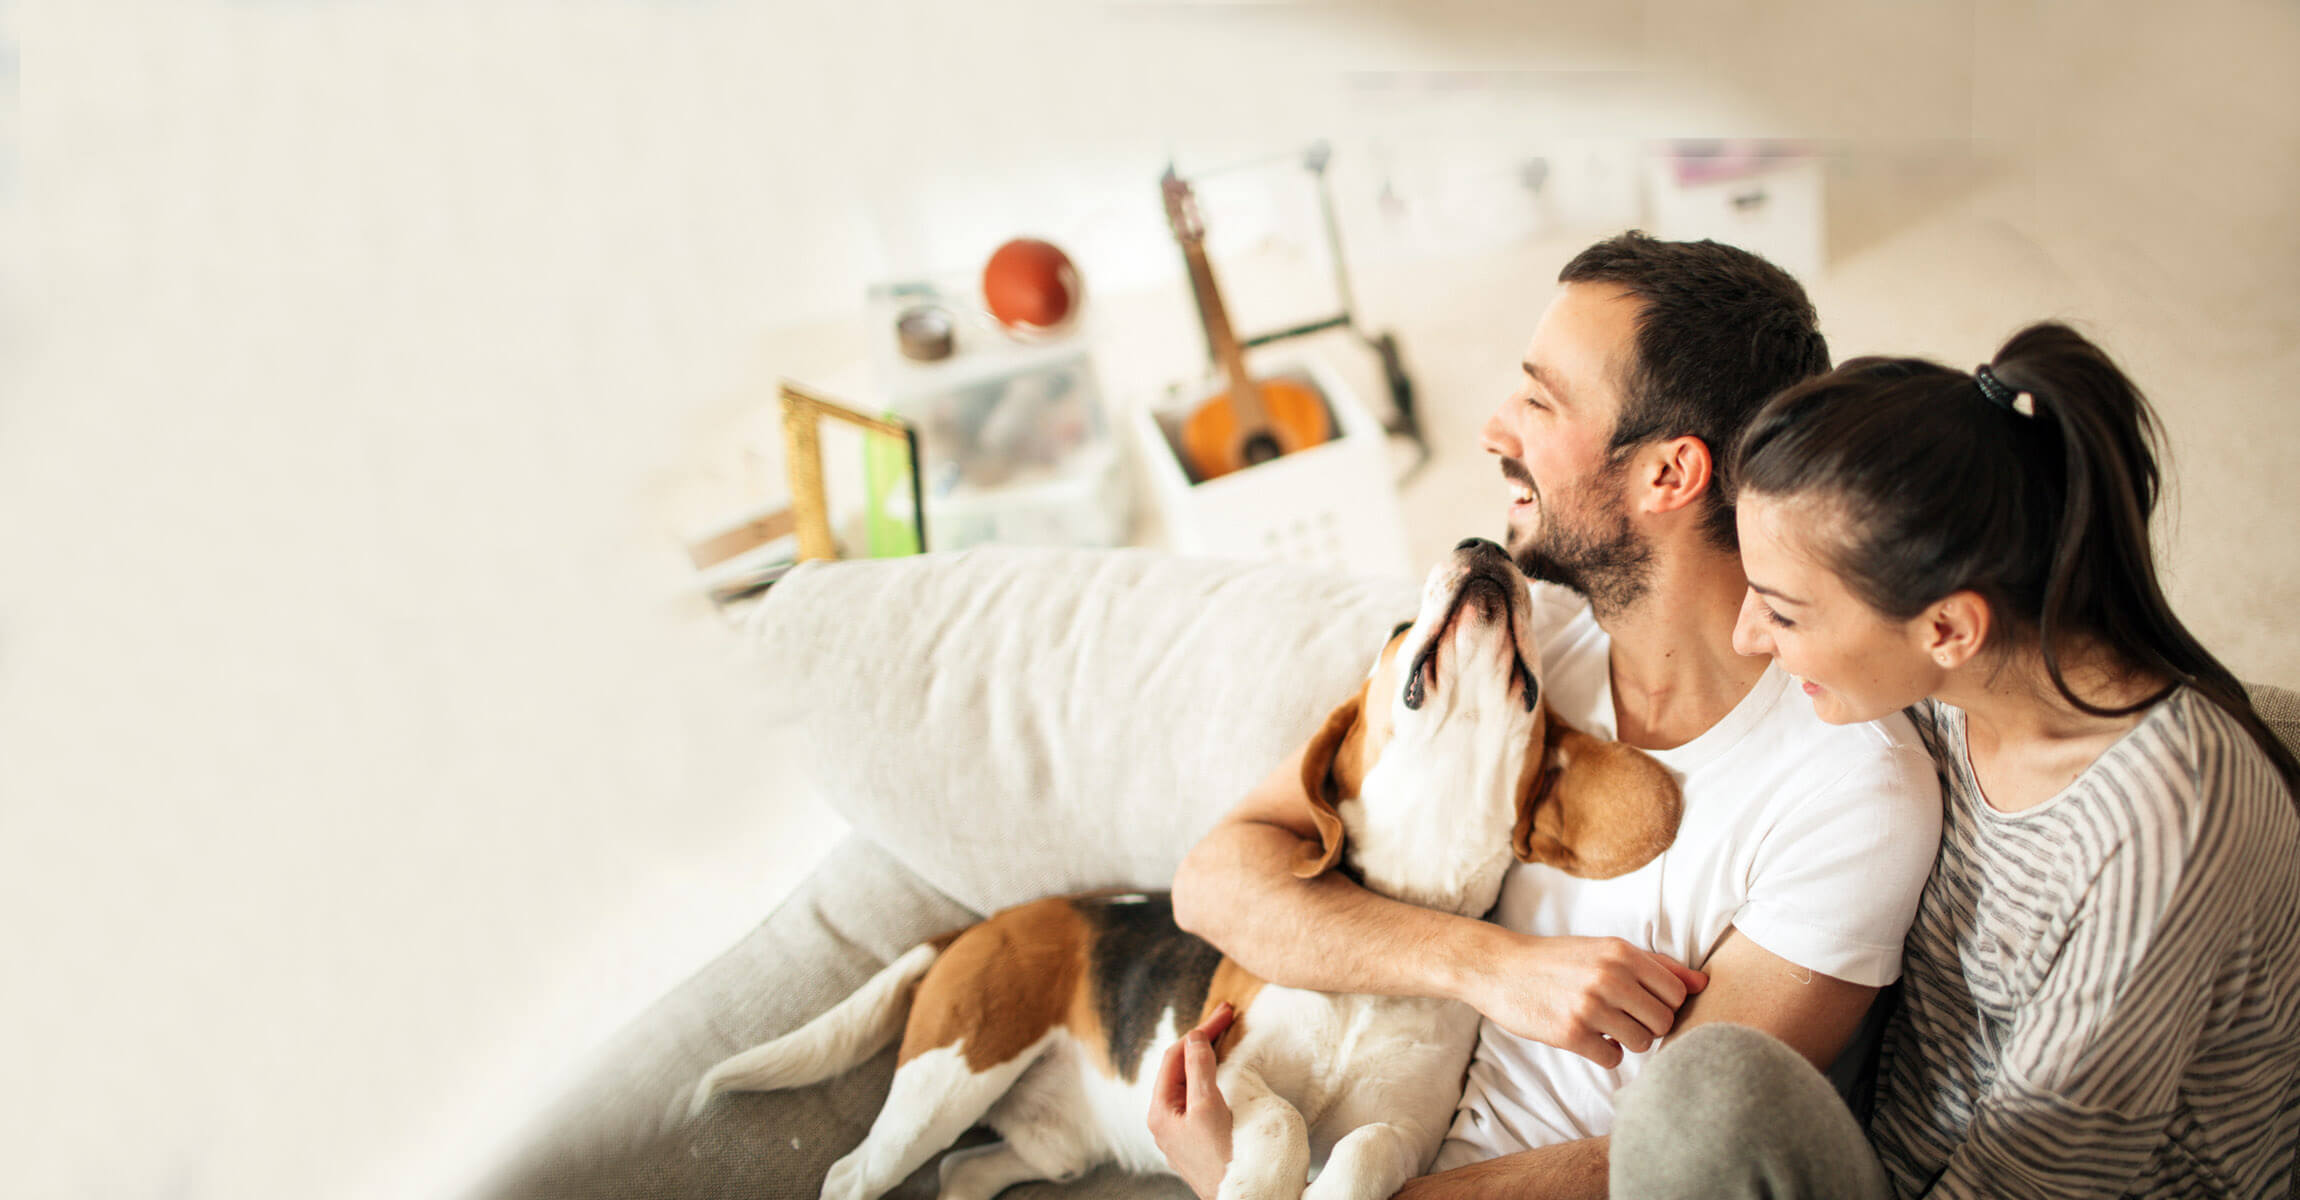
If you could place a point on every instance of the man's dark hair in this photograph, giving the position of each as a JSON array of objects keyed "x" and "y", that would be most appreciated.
[{"x": 1720, "y": 332}]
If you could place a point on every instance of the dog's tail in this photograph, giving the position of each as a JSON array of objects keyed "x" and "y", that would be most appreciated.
[{"x": 837, "y": 1041}]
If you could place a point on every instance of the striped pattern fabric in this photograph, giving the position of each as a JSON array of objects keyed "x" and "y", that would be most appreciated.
[{"x": 2101, "y": 994}]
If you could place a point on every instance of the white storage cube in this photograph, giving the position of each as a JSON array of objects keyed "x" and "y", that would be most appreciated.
[
  {"x": 1334, "y": 504},
  {"x": 1773, "y": 209}
]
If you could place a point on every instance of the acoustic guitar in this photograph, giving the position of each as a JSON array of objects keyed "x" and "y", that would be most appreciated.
[{"x": 1252, "y": 421}]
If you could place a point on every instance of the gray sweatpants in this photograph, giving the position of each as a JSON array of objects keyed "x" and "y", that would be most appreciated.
[{"x": 1729, "y": 1113}]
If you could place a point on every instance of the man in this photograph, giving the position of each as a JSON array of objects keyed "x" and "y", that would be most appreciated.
[{"x": 1803, "y": 847}]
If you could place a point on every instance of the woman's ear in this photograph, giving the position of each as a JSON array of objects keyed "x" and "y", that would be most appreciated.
[
  {"x": 1335, "y": 745},
  {"x": 1953, "y": 629}
]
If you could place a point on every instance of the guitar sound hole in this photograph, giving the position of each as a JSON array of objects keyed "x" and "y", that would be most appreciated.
[{"x": 1260, "y": 448}]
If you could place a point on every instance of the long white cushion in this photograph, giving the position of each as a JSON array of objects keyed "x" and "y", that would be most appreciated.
[{"x": 1013, "y": 723}]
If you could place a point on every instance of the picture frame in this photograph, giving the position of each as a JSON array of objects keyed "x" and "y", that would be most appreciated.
[
  {"x": 803, "y": 412},
  {"x": 743, "y": 559}
]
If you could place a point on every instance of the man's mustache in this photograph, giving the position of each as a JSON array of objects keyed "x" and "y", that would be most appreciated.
[{"x": 1515, "y": 472}]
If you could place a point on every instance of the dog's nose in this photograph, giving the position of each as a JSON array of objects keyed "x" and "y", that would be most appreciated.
[{"x": 1478, "y": 543}]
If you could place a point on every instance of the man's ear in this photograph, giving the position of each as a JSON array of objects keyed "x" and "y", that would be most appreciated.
[
  {"x": 1337, "y": 741},
  {"x": 1591, "y": 807},
  {"x": 1678, "y": 472}
]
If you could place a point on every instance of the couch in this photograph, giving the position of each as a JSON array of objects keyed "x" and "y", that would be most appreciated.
[{"x": 996, "y": 725}]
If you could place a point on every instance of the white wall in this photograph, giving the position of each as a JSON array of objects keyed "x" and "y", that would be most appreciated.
[{"x": 363, "y": 753}]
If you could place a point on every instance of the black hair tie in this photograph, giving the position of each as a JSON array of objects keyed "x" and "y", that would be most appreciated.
[{"x": 1998, "y": 394}]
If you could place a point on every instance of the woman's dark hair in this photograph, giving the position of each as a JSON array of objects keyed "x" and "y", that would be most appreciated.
[{"x": 2044, "y": 513}]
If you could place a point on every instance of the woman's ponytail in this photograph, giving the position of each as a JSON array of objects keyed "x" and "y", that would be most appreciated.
[{"x": 2103, "y": 581}]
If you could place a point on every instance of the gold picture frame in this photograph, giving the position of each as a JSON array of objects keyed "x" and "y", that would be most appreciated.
[{"x": 802, "y": 414}]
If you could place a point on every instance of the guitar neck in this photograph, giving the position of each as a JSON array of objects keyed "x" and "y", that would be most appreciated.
[{"x": 1220, "y": 339}]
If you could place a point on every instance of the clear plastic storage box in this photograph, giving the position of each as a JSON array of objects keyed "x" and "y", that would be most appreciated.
[{"x": 1014, "y": 441}]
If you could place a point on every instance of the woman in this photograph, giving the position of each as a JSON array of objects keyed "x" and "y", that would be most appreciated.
[{"x": 2101, "y": 993}]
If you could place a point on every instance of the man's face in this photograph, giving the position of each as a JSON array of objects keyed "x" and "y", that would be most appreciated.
[{"x": 1568, "y": 510}]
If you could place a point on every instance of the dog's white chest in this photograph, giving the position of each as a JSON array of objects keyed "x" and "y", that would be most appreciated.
[{"x": 1421, "y": 863}]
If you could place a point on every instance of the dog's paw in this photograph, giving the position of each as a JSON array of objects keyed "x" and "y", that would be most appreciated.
[
  {"x": 1336, "y": 1185},
  {"x": 845, "y": 1180}
]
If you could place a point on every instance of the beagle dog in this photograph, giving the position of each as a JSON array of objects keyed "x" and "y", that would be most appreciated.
[{"x": 1046, "y": 1021}]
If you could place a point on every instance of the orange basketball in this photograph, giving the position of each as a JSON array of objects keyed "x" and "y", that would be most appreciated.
[{"x": 1029, "y": 285}]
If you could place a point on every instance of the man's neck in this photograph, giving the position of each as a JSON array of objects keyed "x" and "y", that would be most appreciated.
[{"x": 1675, "y": 673}]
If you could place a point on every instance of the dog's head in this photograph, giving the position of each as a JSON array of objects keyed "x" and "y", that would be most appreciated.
[{"x": 1453, "y": 705}]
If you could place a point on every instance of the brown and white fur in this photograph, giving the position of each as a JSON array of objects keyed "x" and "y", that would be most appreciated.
[{"x": 1046, "y": 1021}]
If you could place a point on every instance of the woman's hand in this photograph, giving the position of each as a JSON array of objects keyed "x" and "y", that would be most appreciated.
[
  {"x": 1188, "y": 1117},
  {"x": 1590, "y": 996}
]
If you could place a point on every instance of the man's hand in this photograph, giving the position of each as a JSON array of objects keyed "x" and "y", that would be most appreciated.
[
  {"x": 1188, "y": 1117},
  {"x": 1589, "y": 996}
]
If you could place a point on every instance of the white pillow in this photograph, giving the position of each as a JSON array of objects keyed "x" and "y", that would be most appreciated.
[{"x": 1014, "y": 723}]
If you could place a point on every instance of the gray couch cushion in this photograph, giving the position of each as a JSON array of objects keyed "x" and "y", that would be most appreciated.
[
  {"x": 622, "y": 1132},
  {"x": 2280, "y": 709}
]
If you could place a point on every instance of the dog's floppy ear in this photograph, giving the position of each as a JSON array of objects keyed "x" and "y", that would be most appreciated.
[
  {"x": 1336, "y": 747},
  {"x": 1591, "y": 807}
]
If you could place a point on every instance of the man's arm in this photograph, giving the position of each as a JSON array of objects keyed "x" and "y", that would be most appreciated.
[
  {"x": 1237, "y": 889},
  {"x": 1815, "y": 1014},
  {"x": 1568, "y": 1169}
]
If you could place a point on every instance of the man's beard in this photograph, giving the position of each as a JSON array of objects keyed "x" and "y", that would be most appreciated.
[{"x": 1609, "y": 564}]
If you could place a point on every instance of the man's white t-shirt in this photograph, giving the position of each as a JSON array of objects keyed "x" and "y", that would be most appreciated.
[{"x": 1812, "y": 839}]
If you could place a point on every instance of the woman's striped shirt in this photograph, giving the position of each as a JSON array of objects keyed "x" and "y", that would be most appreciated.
[{"x": 2102, "y": 993}]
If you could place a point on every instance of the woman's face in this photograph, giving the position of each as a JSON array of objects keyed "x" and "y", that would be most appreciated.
[{"x": 1856, "y": 663}]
